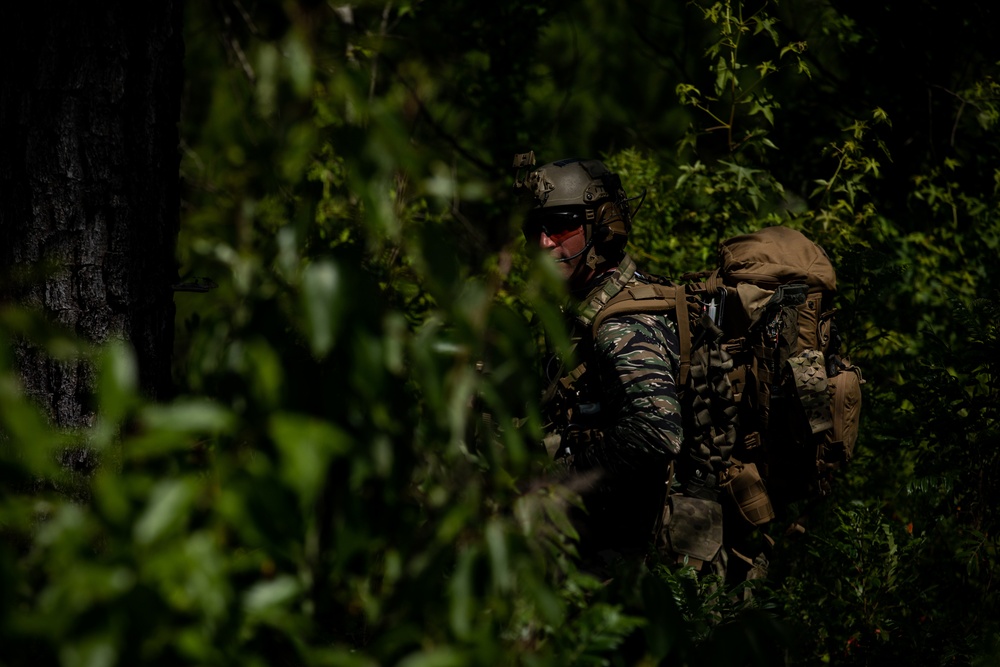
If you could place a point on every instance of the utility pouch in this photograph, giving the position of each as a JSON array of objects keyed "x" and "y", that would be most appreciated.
[
  {"x": 845, "y": 405},
  {"x": 695, "y": 528},
  {"x": 745, "y": 487}
]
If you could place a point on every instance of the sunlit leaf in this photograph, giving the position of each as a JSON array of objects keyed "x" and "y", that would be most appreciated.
[
  {"x": 168, "y": 509},
  {"x": 324, "y": 301}
]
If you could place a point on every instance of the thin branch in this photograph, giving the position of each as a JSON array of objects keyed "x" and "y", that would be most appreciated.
[
  {"x": 383, "y": 31},
  {"x": 436, "y": 127},
  {"x": 246, "y": 17}
]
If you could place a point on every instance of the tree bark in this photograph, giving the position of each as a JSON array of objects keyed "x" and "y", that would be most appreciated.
[{"x": 89, "y": 201}]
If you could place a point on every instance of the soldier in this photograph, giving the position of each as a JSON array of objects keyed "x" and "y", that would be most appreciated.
[{"x": 616, "y": 415}]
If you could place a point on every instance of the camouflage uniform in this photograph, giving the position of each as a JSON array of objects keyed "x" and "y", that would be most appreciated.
[{"x": 624, "y": 416}]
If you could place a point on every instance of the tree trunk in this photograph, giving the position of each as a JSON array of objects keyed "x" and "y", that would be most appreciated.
[{"x": 89, "y": 109}]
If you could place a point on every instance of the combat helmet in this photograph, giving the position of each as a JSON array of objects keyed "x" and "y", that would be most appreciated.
[{"x": 573, "y": 192}]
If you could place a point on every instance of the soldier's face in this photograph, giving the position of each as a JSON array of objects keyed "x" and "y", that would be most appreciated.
[
  {"x": 566, "y": 248},
  {"x": 559, "y": 233}
]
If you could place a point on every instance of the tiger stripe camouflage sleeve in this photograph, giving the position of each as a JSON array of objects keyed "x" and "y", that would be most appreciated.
[{"x": 638, "y": 359}]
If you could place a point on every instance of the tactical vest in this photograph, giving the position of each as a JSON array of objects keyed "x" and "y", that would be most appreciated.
[{"x": 770, "y": 408}]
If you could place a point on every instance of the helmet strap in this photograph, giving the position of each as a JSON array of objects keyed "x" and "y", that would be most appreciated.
[{"x": 596, "y": 257}]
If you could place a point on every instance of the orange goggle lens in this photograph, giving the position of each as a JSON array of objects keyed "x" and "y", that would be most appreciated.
[{"x": 557, "y": 225}]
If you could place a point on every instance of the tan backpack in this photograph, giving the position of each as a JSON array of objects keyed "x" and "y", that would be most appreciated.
[{"x": 769, "y": 402}]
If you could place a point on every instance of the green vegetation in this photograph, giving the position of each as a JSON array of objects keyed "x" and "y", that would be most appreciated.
[{"x": 324, "y": 489}]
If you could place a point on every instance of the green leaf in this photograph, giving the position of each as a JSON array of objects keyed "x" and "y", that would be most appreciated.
[
  {"x": 496, "y": 543},
  {"x": 463, "y": 604},
  {"x": 96, "y": 651},
  {"x": 299, "y": 63},
  {"x": 323, "y": 300},
  {"x": 558, "y": 516},
  {"x": 31, "y": 442},
  {"x": 436, "y": 657},
  {"x": 267, "y": 79},
  {"x": 118, "y": 379},
  {"x": 190, "y": 415},
  {"x": 793, "y": 47},
  {"x": 306, "y": 445},
  {"x": 267, "y": 596},
  {"x": 170, "y": 503}
]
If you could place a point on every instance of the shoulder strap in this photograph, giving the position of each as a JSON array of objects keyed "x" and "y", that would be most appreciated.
[
  {"x": 650, "y": 299},
  {"x": 604, "y": 293}
]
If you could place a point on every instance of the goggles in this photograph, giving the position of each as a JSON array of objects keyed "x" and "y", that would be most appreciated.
[{"x": 557, "y": 224}]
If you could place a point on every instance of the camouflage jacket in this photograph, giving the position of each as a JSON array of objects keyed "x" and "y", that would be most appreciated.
[{"x": 624, "y": 412}]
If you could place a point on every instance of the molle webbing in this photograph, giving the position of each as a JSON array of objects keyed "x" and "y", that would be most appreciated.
[{"x": 714, "y": 410}]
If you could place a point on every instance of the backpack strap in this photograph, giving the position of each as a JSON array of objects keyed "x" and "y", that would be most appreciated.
[
  {"x": 595, "y": 302},
  {"x": 642, "y": 298},
  {"x": 654, "y": 298},
  {"x": 683, "y": 332}
]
